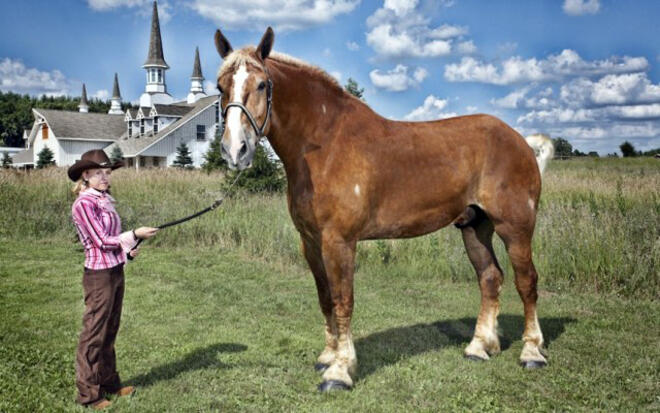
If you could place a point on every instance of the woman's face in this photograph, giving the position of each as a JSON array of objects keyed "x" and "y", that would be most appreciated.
[{"x": 98, "y": 178}]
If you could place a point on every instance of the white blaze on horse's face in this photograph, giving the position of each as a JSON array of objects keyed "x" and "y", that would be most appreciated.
[{"x": 238, "y": 144}]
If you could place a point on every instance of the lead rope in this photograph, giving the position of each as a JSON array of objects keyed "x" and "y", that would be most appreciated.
[{"x": 213, "y": 206}]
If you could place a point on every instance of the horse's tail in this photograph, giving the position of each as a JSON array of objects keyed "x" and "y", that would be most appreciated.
[{"x": 543, "y": 149}]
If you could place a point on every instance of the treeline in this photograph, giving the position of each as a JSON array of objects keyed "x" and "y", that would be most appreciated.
[
  {"x": 16, "y": 112},
  {"x": 564, "y": 150}
]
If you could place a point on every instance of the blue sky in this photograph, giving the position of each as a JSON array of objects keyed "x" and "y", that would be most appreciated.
[{"x": 586, "y": 70}]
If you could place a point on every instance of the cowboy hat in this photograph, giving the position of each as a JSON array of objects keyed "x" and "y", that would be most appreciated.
[{"x": 95, "y": 158}]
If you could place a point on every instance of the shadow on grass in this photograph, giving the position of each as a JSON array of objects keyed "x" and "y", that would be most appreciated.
[
  {"x": 390, "y": 346},
  {"x": 202, "y": 358}
]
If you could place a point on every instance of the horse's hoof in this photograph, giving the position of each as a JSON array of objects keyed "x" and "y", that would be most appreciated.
[
  {"x": 472, "y": 357},
  {"x": 330, "y": 385},
  {"x": 321, "y": 367},
  {"x": 533, "y": 364}
]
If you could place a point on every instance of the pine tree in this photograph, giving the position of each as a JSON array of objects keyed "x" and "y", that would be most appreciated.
[
  {"x": 265, "y": 174},
  {"x": 45, "y": 158},
  {"x": 627, "y": 149},
  {"x": 353, "y": 88},
  {"x": 116, "y": 155},
  {"x": 213, "y": 158},
  {"x": 183, "y": 158},
  {"x": 6, "y": 160}
]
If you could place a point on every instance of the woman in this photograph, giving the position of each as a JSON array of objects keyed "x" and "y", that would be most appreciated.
[{"x": 106, "y": 249}]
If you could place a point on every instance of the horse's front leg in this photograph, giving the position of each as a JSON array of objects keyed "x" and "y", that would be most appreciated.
[
  {"x": 312, "y": 251},
  {"x": 338, "y": 260}
]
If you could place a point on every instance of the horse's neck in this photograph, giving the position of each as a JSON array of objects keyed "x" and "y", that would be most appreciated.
[{"x": 300, "y": 112}]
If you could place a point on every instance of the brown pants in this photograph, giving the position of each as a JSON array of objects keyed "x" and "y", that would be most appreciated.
[{"x": 96, "y": 368}]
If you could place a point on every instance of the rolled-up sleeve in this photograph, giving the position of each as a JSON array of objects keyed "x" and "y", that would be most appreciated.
[
  {"x": 89, "y": 221},
  {"x": 127, "y": 241}
]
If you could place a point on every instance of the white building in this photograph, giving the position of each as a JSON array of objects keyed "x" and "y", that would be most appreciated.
[{"x": 147, "y": 136}]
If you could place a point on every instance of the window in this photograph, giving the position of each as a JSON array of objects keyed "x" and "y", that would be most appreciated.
[
  {"x": 155, "y": 124},
  {"x": 44, "y": 131},
  {"x": 130, "y": 130},
  {"x": 141, "y": 126},
  {"x": 156, "y": 161},
  {"x": 142, "y": 161},
  {"x": 217, "y": 111},
  {"x": 160, "y": 76},
  {"x": 201, "y": 132}
]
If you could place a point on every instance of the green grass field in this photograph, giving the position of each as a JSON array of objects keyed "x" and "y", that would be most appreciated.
[{"x": 220, "y": 314}]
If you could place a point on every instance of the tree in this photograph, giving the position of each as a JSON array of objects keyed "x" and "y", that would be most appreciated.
[
  {"x": 183, "y": 158},
  {"x": 593, "y": 154},
  {"x": 116, "y": 155},
  {"x": 627, "y": 149},
  {"x": 45, "y": 158},
  {"x": 265, "y": 175},
  {"x": 353, "y": 88},
  {"x": 213, "y": 157},
  {"x": 6, "y": 160},
  {"x": 563, "y": 148}
]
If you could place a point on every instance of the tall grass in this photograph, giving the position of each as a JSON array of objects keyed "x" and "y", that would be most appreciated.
[{"x": 598, "y": 227}]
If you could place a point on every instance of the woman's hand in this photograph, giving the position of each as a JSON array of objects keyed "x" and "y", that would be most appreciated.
[
  {"x": 145, "y": 232},
  {"x": 134, "y": 252}
]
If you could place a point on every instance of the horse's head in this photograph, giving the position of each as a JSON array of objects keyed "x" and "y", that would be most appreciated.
[{"x": 246, "y": 91}]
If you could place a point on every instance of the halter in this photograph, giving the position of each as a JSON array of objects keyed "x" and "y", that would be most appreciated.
[{"x": 258, "y": 130}]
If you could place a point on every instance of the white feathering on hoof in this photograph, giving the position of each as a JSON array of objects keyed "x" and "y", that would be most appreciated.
[{"x": 543, "y": 149}]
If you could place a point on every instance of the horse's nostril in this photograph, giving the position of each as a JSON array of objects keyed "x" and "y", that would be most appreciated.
[{"x": 243, "y": 150}]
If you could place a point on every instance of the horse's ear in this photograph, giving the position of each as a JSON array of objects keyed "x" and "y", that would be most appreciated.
[
  {"x": 222, "y": 44},
  {"x": 266, "y": 44}
]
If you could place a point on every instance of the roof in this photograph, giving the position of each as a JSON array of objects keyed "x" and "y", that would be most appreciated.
[
  {"x": 90, "y": 126},
  {"x": 134, "y": 146},
  {"x": 115, "y": 89},
  {"x": 155, "y": 55},
  {"x": 197, "y": 67},
  {"x": 172, "y": 110},
  {"x": 132, "y": 112},
  {"x": 27, "y": 156}
]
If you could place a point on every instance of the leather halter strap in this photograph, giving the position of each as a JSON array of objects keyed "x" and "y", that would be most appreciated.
[{"x": 257, "y": 129}]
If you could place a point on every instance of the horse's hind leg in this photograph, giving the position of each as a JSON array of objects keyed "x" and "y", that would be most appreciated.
[
  {"x": 477, "y": 237},
  {"x": 312, "y": 253},
  {"x": 518, "y": 242}
]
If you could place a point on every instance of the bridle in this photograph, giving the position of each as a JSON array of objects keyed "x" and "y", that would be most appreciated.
[{"x": 258, "y": 130}]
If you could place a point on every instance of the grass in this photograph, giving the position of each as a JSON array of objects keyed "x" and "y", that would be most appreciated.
[
  {"x": 221, "y": 313},
  {"x": 219, "y": 331}
]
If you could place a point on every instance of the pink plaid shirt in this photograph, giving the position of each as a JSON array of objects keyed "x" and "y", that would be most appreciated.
[{"x": 99, "y": 228}]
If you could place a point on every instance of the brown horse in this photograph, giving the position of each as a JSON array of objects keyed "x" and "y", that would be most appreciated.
[{"x": 353, "y": 175}]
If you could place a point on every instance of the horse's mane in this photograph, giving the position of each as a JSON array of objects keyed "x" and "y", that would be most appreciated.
[{"x": 246, "y": 56}]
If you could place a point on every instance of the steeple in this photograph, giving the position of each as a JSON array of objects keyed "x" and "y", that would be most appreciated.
[
  {"x": 155, "y": 56},
  {"x": 155, "y": 65},
  {"x": 196, "y": 81},
  {"x": 83, "y": 107},
  {"x": 115, "y": 102}
]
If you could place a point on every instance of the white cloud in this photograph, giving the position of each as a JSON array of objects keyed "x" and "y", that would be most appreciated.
[
  {"x": 210, "y": 88},
  {"x": 398, "y": 30},
  {"x": 611, "y": 90},
  {"x": 143, "y": 7},
  {"x": 519, "y": 99},
  {"x": 282, "y": 14},
  {"x": 581, "y": 115},
  {"x": 352, "y": 46},
  {"x": 554, "y": 67},
  {"x": 580, "y": 7},
  {"x": 336, "y": 75},
  {"x": 397, "y": 79},
  {"x": 466, "y": 47},
  {"x": 101, "y": 94},
  {"x": 471, "y": 109},
  {"x": 432, "y": 108},
  {"x": 16, "y": 77}
]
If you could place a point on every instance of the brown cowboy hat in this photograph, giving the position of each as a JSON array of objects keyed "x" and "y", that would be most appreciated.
[{"x": 95, "y": 158}]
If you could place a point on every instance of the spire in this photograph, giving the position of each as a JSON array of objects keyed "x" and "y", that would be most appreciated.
[
  {"x": 83, "y": 107},
  {"x": 155, "y": 56},
  {"x": 115, "y": 89},
  {"x": 197, "y": 68},
  {"x": 115, "y": 101}
]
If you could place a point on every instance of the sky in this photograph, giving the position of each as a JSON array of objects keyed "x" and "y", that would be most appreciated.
[{"x": 584, "y": 70}]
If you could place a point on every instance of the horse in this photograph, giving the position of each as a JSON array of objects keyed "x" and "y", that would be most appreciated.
[{"x": 353, "y": 175}]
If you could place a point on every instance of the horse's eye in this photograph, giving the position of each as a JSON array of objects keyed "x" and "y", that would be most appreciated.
[{"x": 261, "y": 86}]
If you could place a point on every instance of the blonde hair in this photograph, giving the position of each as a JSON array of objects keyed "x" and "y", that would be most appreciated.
[{"x": 80, "y": 185}]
